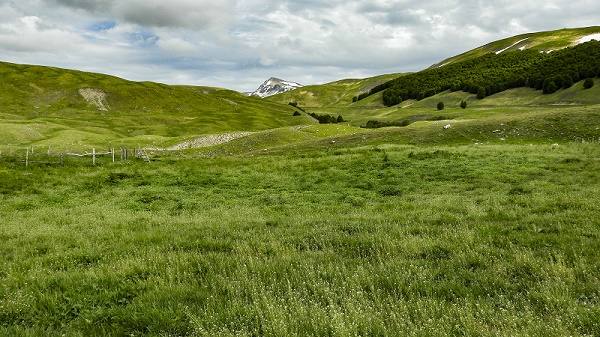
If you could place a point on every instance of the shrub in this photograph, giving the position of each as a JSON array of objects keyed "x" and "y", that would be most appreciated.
[
  {"x": 325, "y": 119},
  {"x": 550, "y": 88},
  {"x": 481, "y": 93},
  {"x": 440, "y": 106},
  {"x": 463, "y": 104},
  {"x": 567, "y": 81},
  {"x": 588, "y": 83},
  {"x": 382, "y": 124},
  {"x": 296, "y": 113}
]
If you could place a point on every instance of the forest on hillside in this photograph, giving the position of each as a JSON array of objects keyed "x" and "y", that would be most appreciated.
[{"x": 493, "y": 73}]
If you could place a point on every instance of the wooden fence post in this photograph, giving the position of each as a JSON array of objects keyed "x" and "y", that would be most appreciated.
[
  {"x": 93, "y": 156},
  {"x": 27, "y": 158},
  {"x": 61, "y": 160},
  {"x": 113, "y": 154}
]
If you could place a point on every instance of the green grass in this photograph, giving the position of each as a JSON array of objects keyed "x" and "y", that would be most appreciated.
[
  {"x": 542, "y": 41},
  {"x": 334, "y": 94},
  {"x": 42, "y": 106},
  {"x": 374, "y": 238},
  {"x": 488, "y": 228}
]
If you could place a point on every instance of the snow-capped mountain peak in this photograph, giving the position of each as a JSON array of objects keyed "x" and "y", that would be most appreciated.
[{"x": 274, "y": 86}]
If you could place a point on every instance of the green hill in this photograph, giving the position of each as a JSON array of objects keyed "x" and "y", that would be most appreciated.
[
  {"x": 47, "y": 106},
  {"x": 540, "y": 45},
  {"x": 334, "y": 94},
  {"x": 542, "y": 42},
  {"x": 67, "y": 109}
]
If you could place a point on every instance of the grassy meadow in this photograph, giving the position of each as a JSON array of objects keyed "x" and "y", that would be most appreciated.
[
  {"x": 364, "y": 236},
  {"x": 487, "y": 228}
]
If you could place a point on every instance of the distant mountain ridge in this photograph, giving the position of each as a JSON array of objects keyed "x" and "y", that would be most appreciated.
[{"x": 274, "y": 86}]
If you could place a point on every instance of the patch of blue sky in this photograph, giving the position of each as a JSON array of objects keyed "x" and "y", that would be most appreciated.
[
  {"x": 143, "y": 38},
  {"x": 103, "y": 25}
]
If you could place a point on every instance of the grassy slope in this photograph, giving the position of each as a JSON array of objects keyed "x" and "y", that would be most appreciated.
[
  {"x": 339, "y": 94},
  {"x": 41, "y": 106},
  {"x": 521, "y": 98},
  {"x": 542, "y": 41},
  {"x": 335, "y": 94}
]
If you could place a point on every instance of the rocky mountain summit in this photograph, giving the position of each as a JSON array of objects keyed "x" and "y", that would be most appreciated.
[{"x": 274, "y": 86}]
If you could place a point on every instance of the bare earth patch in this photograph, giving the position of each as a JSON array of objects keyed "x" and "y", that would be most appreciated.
[
  {"x": 206, "y": 141},
  {"x": 96, "y": 97}
]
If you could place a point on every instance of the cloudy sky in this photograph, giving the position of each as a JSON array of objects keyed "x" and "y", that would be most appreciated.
[{"x": 237, "y": 44}]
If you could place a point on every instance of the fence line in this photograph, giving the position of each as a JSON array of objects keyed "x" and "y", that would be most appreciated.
[
  {"x": 138, "y": 153},
  {"x": 587, "y": 140}
]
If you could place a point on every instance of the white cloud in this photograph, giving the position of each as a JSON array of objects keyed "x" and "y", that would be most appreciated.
[
  {"x": 176, "y": 46},
  {"x": 239, "y": 43},
  {"x": 32, "y": 34}
]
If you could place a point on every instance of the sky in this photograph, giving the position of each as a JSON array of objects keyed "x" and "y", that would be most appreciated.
[{"x": 238, "y": 44}]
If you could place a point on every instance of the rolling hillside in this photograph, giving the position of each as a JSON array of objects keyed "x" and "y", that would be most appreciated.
[
  {"x": 46, "y": 106},
  {"x": 67, "y": 109},
  {"x": 340, "y": 93},
  {"x": 542, "y": 41},
  {"x": 334, "y": 94}
]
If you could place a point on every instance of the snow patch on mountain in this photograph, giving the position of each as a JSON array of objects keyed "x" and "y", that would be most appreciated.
[
  {"x": 589, "y": 38},
  {"x": 274, "y": 86},
  {"x": 512, "y": 45}
]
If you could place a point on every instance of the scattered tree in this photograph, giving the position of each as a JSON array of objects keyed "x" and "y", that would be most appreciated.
[
  {"x": 481, "y": 93},
  {"x": 463, "y": 104},
  {"x": 550, "y": 88},
  {"x": 588, "y": 83},
  {"x": 297, "y": 113},
  {"x": 440, "y": 106},
  {"x": 567, "y": 81},
  {"x": 340, "y": 119}
]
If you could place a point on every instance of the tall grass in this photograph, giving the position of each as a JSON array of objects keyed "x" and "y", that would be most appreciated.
[{"x": 379, "y": 240}]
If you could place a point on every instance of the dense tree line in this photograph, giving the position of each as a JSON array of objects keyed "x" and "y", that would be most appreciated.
[
  {"x": 374, "y": 124},
  {"x": 326, "y": 119},
  {"x": 493, "y": 73}
]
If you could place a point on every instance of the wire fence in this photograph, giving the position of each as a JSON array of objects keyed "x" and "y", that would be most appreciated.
[
  {"x": 32, "y": 156},
  {"x": 591, "y": 140}
]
